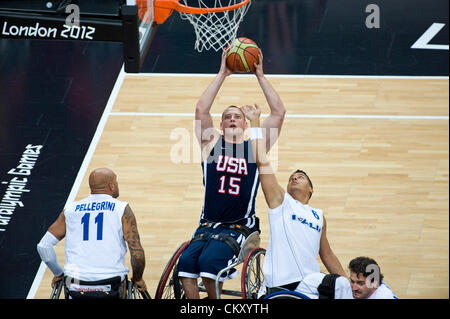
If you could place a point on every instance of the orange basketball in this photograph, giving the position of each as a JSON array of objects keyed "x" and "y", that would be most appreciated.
[{"x": 243, "y": 55}]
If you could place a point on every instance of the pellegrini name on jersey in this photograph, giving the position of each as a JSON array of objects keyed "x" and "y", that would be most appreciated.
[{"x": 95, "y": 206}]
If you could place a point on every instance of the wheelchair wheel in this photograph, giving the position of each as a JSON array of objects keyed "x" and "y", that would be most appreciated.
[
  {"x": 169, "y": 286},
  {"x": 252, "y": 273},
  {"x": 288, "y": 294},
  {"x": 56, "y": 291},
  {"x": 134, "y": 293}
]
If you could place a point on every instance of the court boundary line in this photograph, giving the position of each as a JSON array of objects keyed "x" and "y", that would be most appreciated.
[
  {"x": 321, "y": 116},
  {"x": 84, "y": 165},
  {"x": 296, "y": 76}
]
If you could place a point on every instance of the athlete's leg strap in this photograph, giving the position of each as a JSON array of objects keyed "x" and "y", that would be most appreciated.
[
  {"x": 230, "y": 241},
  {"x": 203, "y": 236},
  {"x": 244, "y": 230},
  {"x": 327, "y": 287},
  {"x": 286, "y": 287}
]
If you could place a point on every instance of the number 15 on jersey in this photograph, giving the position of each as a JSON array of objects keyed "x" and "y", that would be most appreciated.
[{"x": 232, "y": 187}]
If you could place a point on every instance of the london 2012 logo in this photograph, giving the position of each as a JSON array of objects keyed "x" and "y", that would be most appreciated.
[
  {"x": 71, "y": 29},
  {"x": 44, "y": 32}
]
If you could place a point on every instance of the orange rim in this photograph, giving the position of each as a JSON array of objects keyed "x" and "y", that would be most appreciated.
[
  {"x": 176, "y": 5},
  {"x": 144, "y": 14}
]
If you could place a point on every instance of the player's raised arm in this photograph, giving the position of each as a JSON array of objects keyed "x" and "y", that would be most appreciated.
[
  {"x": 274, "y": 121},
  {"x": 273, "y": 192},
  {"x": 203, "y": 118}
]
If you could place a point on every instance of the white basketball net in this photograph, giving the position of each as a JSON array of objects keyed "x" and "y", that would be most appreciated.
[{"x": 215, "y": 30}]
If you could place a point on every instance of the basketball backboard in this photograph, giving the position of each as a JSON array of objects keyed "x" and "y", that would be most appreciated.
[{"x": 82, "y": 20}]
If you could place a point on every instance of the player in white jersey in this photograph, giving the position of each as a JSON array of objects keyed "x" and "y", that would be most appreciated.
[
  {"x": 95, "y": 230},
  {"x": 297, "y": 231},
  {"x": 365, "y": 279}
]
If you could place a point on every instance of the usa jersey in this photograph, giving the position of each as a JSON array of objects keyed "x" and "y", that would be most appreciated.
[
  {"x": 94, "y": 245},
  {"x": 231, "y": 181},
  {"x": 294, "y": 243}
]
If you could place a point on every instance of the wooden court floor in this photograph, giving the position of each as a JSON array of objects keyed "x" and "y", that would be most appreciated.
[{"x": 382, "y": 182}]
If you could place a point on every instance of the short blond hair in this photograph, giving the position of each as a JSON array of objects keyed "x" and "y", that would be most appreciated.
[{"x": 223, "y": 113}]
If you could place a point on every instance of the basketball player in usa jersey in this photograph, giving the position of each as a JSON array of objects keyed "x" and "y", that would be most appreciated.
[
  {"x": 231, "y": 182},
  {"x": 297, "y": 231},
  {"x": 95, "y": 230}
]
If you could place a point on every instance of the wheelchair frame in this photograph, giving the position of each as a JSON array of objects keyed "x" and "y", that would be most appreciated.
[
  {"x": 249, "y": 255},
  {"x": 132, "y": 291},
  {"x": 286, "y": 294}
]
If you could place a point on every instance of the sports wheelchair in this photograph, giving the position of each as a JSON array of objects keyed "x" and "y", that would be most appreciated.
[
  {"x": 286, "y": 294},
  {"x": 251, "y": 255},
  {"x": 132, "y": 291},
  {"x": 325, "y": 290}
]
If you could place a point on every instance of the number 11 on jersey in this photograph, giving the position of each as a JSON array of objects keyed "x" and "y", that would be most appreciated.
[{"x": 85, "y": 222}]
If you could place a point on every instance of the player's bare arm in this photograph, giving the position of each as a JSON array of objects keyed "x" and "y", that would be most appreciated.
[
  {"x": 329, "y": 259},
  {"x": 203, "y": 119},
  {"x": 131, "y": 236},
  {"x": 273, "y": 192},
  {"x": 277, "y": 110},
  {"x": 58, "y": 228}
]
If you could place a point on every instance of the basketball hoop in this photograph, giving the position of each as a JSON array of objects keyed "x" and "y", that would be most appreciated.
[{"x": 215, "y": 21}]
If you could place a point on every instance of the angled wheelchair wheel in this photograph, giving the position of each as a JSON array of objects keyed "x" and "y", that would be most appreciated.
[
  {"x": 288, "y": 294},
  {"x": 169, "y": 286},
  {"x": 133, "y": 292},
  {"x": 56, "y": 291},
  {"x": 252, "y": 273}
]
